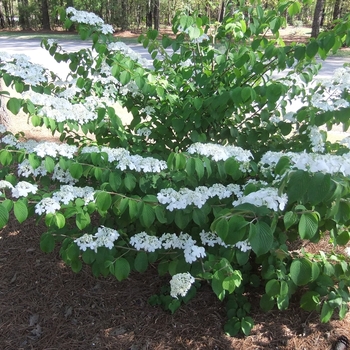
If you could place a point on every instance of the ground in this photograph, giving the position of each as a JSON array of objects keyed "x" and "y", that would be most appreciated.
[{"x": 45, "y": 306}]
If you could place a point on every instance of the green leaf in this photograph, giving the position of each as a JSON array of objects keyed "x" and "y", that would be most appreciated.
[
  {"x": 247, "y": 324},
  {"x": 282, "y": 165},
  {"x": 311, "y": 49},
  {"x": 301, "y": 271},
  {"x": 103, "y": 201},
  {"x": 49, "y": 164},
  {"x": 260, "y": 238},
  {"x": 160, "y": 214},
  {"x": 232, "y": 168},
  {"x": 326, "y": 312},
  {"x": 310, "y": 301},
  {"x": 297, "y": 186},
  {"x": 141, "y": 262},
  {"x": 319, "y": 188},
  {"x": 129, "y": 181},
  {"x": 121, "y": 269},
  {"x": 308, "y": 225},
  {"x": 290, "y": 219},
  {"x": 20, "y": 210},
  {"x": 82, "y": 220},
  {"x": 272, "y": 288},
  {"x": 147, "y": 216},
  {"x": 124, "y": 77},
  {"x": 229, "y": 284},
  {"x": 267, "y": 302},
  {"x": 47, "y": 242},
  {"x": 4, "y": 216},
  {"x": 199, "y": 217},
  {"x": 217, "y": 286},
  {"x": 221, "y": 227},
  {"x": 182, "y": 219},
  {"x": 294, "y": 8},
  {"x": 232, "y": 326},
  {"x": 133, "y": 209},
  {"x": 60, "y": 220},
  {"x": 14, "y": 105},
  {"x": 199, "y": 167},
  {"x": 5, "y": 157},
  {"x": 76, "y": 170}
]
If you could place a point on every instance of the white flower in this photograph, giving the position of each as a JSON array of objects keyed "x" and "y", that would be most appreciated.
[
  {"x": 2, "y": 128},
  {"x": 211, "y": 238},
  {"x": 23, "y": 188},
  {"x": 316, "y": 138},
  {"x": 193, "y": 252},
  {"x": 10, "y": 140},
  {"x": 265, "y": 196},
  {"x": 347, "y": 251},
  {"x": 47, "y": 205},
  {"x": 244, "y": 246},
  {"x": 5, "y": 184},
  {"x": 218, "y": 152},
  {"x": 180, "y": 284},
  {"x": 86, "y": 241},
  {"x": 143, "y": 241}
]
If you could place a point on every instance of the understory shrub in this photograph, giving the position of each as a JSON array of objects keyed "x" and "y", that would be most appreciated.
[{"x": 219, "y": 178}]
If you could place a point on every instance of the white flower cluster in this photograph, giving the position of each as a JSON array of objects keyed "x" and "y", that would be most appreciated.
[
  {"x": 185, "y": 197},
  {"x": 89, "y": 18},
  {"x": 268, "y": 197},
  {"x": 5, "y": 184},
  {"x": 144, "y": 132},
  {"x": 148, "y": 110},
  {"x": 218, "y": 152},
  {"x": 311, "y": 162},
  {"x": 47, "y": 205},
  {"x": 23, "y": 188},
  {"x": 2, "y": 128},
  {"x": 65, "y": 194},
  {"x": 104, "y": 237},
  {"x": 180, "y": 284},
  {"x": 346, "y": 141},
  {"x": 60, "y": 109},
  {"x": 25, "y": 169},
  {"x": 127, "y": 51},
  {"x": 53, "y": 149},
  {"x": 329, "y": 99},
  {"x": 169, "y": 240},
  {"x": 64, "y": 176},
  {"x": 125, "y": 160},
  {"x": 69, "y": 193},
  {"x": 19, "y": 65},
  {"x": 316, "y": 139},
  {"x": 211, "y": 239}
]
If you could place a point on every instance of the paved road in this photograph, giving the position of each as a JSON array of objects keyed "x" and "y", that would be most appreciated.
[{"x": 31, "y": 47}]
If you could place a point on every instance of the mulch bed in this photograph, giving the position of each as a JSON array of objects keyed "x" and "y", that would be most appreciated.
[{"x": 44, "y": 305}]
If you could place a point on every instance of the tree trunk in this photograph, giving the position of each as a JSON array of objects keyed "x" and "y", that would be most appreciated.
[
  {"x": 45, "y": 15},
  {"x": 316, "y": 23},
  {"x": 149, "y": 14},
  {"x": 222, "y": 11},
  {"x": 156, "y": 14},
  {"x": 336, "y": 10},
  {"x": 124, "y": 16}
]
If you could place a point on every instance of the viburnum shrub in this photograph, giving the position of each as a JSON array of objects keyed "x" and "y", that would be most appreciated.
[{"x": 219, "y": 178}]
